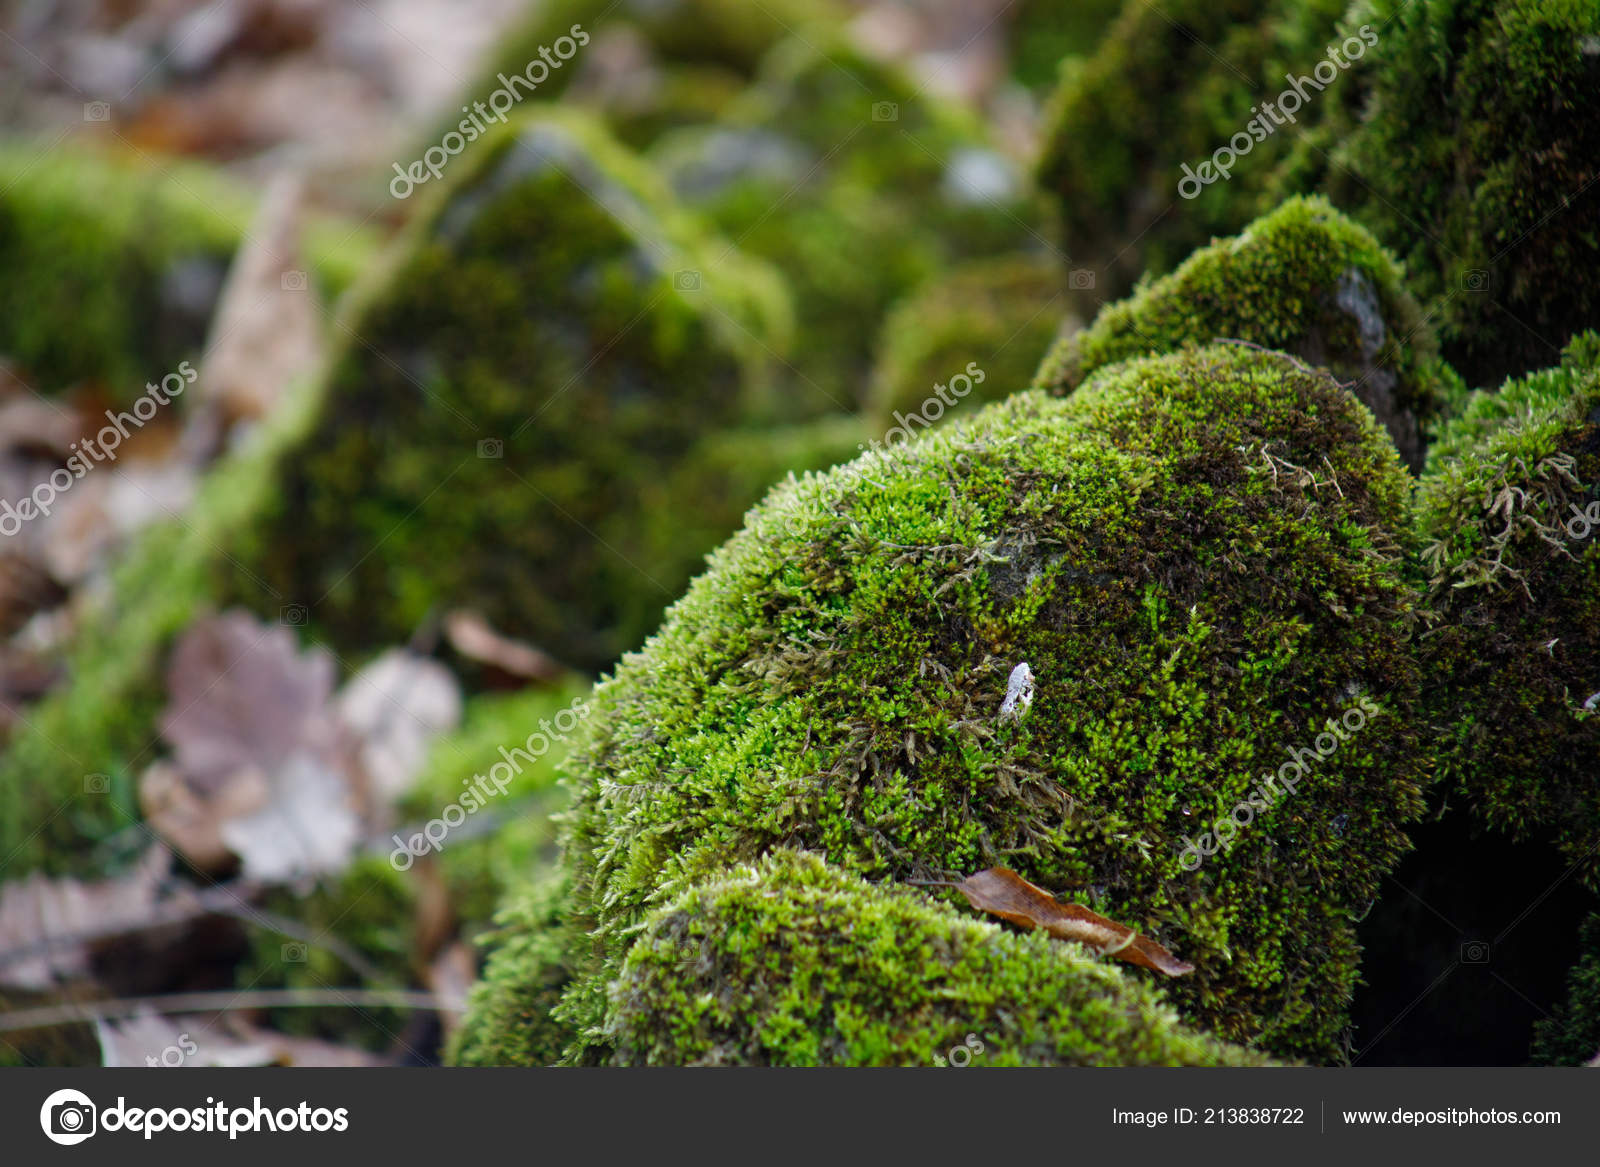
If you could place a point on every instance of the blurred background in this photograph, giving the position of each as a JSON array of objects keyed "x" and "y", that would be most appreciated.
[{"x": 372, "y": 374}]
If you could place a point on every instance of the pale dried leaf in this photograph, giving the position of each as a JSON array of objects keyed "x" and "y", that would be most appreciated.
[{"x": 395, "y": 707}]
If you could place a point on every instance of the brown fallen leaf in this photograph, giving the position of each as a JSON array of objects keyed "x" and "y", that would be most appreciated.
[
  {"x": 474, "y": 638},
  {"x": 1002, "y": 892}
]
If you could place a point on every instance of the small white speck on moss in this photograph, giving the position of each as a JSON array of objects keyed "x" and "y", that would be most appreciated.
[{"x": 1019, "y": 693}]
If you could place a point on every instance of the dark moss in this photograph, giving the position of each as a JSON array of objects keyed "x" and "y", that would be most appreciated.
[
  {"x": 1504, "y": 513},
  {"x": 110, "y": 266},
  {"x": 999, "y": 315},
  {"x": 1465, "y": 138},
  {"x": 1197, "y": 556},
  {"x": 1571, "y": 1035},
  {"x": 1167, "y": 85},
  {"x": 1044, "y": 33},
  {"x": 550, "y": 342},
  {"x": 794, "y": 962},
  {"x": 1305, "y": 280}
]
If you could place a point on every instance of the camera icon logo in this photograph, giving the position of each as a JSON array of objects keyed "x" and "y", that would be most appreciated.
[
  {"x": 68, "y": 1117},
  {"x": 295, "y": 281},
  {"x": 885, "y": 111},
  {"x": 1475, "y": 280},
  {"x": 686, "y": 281},
  {"x": 491, "y": 448},
  {"x": 1081, "y": 279},
  {"x": 1474, "y": 952},
  {"x": 96, "y": 111},
  {"x": 96, "y": 784},
  {"x": 294, "y": 953},
  {"x": 294, "y": 615}
]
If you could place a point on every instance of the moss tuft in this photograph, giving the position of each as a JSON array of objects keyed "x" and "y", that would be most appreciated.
[
  {"x": 1303, "y": 279},
  {"x": 1197, "y": 556},
  {"x": 1504, "y": 514},
  {"x": 793, "y": 962}
]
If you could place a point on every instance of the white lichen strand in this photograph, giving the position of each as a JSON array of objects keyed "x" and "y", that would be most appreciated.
[{"x": 1019, "y": 693}]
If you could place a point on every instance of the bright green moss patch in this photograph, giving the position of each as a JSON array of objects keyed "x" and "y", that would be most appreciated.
[
  {"x": 549, "y": 343},
  {"x": 1505, "y": 516},
  {"x": 1197, "y": 556},
  {"x": 794, "y": 962},
  {"x": 999, "y": 315},
  {"x": 1304, "y": 280},
  {"x": 109, "y": 266}
]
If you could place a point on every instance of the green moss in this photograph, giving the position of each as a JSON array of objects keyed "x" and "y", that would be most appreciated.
[
  {"x": 511, "y": 1019},
  {"x": 102, "y": 721},
  {"x": 1195, "y": 604},
  {"x": 794, "y": 962},
  {"x": 859, "y": 187},
  {"x": 1166, "y": 86},
  {"x": 1571, "y": 1035},
  {"x": 511, "y": 837},
  {"x": 1464, "y": 138},
  {"x": 1000, "y": 315},
  {"x": 110, "y": 266},
  {"x": 1044, "y": 33},
  {"x": 1303, "y": 279},
  {"x": 553, "y": 303},
  {"x": 1504, "y": 514}
]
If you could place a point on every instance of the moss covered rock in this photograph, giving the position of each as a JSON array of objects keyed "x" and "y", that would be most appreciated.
[
  {"x": 110, "y": 266},
  {"x": 998, "y": 315},
  {"x": 1304, "y": 280},
  {"x": 842, "y": 173},
  {"x": 1196, "y": 554},
  {"x": 1464, "y": 135},
  {"x": 1509, "y": 517},
  {"x": 794, "y": 962},
  {"x": 549, "y": 343},
  {"x": 1166, "y": 86}
]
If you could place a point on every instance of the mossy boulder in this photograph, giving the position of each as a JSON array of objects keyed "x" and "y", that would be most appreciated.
[
  {"x": 1463, "y": 135},
  {"x": 1197, "y": 555},
  {"x": 548, "y": 344},
  {"x": 841, "y": 172},
  {"x": 1304, "y": 280},
  {"x": 1571, "y": 1035},
  {"x": 1508, "y": 515},
  {"x": 1167, "y": 86},
  {"x": 110, "y": 266},
  {"x": 999, "y": 315},
  {"x": 795, "y": 962}
]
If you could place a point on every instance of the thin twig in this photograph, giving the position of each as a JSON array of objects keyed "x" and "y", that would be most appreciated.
[{"x": 224, "y": 1001}]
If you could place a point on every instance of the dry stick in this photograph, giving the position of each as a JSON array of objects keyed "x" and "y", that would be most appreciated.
[
  {"x": 221, "y": 900},
  {"x": 224, "y": 1001}
]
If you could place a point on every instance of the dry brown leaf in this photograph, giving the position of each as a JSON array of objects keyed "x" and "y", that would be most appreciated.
[
  {"x": 1002, "y": 892},
  {"x": 473, "y": 637},
  {"x": 267, "y": 333},
  {"x": 36, "y": 910},
  {"x": 151, "y": 1039}
]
